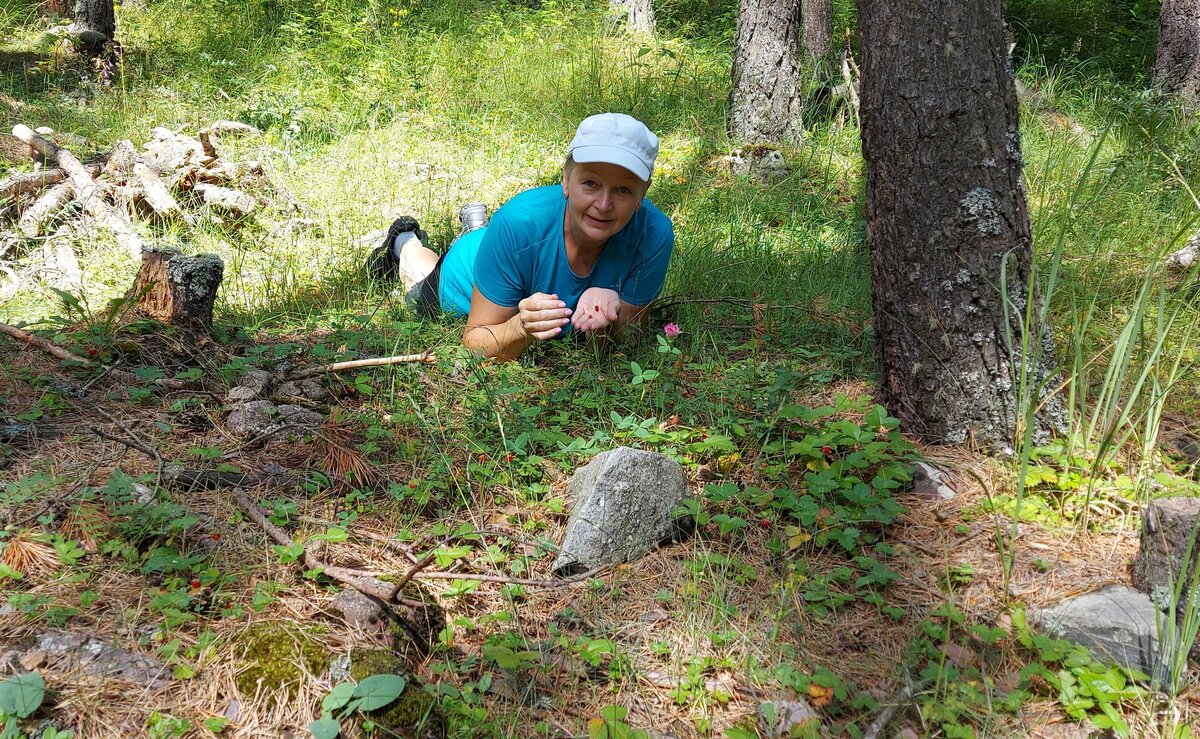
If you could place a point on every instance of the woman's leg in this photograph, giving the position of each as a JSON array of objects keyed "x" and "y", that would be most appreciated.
[{"x": 414, "y": 260}]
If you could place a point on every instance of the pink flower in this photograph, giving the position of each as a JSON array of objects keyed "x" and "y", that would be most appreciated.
[{"x": 672, "y": 330}]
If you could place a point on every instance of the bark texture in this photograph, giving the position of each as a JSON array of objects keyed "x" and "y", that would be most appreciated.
[
  {"x": 95, "y": 25},
  {"x": 817, "y": 16},
  {"x": 765, "y": 99},
  {"x": 637, "y": 14},
  {"x": 178, "y": 289},
  {"x": 1177, "y": 63},
  {"x": 945, "y": 208}
]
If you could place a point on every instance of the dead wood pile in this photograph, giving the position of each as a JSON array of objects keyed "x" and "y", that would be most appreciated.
[{"x": 172, "y": 179}]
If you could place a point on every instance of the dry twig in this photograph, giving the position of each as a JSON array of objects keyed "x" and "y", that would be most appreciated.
[{"x": 426, "y": 357}]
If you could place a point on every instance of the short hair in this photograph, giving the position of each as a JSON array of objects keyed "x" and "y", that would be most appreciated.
[{"x": 568, "y": 165}]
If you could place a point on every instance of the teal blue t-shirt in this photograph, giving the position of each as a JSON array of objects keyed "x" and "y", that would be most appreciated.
[{"x": 522, "y": 252}]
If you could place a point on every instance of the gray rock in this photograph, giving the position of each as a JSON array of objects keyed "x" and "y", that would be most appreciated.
[
  {"x": 66, "y": 652},
  {"x": 787, "y": 718},
  {"x": 929, "y": 483},
  {"x": 255, "y": 384},
  {"x": 1188, "y": 255},
  {"x": 356, "y": 608},
  {"x": 232, "y": 202},
  {"x": 621, "y": 508},
  {"x": 1117, "y": 623},
  {"x": 308, "y": 389},
  {"x": 262, "y": 417}
]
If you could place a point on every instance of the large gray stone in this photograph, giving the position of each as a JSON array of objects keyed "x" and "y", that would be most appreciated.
[
  {"x": 1117, "y": 623},
  {"x": 66, "y": 652},
  {"x": 621, "y": 508}
]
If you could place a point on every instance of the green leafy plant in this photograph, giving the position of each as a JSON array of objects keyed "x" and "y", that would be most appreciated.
[{"x": 346, "y": 698}]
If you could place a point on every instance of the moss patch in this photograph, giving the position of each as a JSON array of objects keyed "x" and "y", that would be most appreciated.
[
  {"x": 277, "y": 655},
  {"x": 414, "y": 713}
]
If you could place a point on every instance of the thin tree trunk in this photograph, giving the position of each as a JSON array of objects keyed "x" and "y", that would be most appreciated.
[
  {"x": 765, "y": 100},
  {"x": 818, "y": 26},
  {"x": 637, "y": 14},
  {"x": 945, "y": 209},
  {"x": 1177, "y": 63}
]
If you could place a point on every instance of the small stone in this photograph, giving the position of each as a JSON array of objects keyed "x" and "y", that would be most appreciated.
[
  {"x": 786, "y": 718},
  {"x": 357, "y": 609},
  {"x": 929, "y": 483},
  {"x": 907, "y": 733},
  {"x": 622, "y": 505},
  {"x": 1117, "y": 623}
]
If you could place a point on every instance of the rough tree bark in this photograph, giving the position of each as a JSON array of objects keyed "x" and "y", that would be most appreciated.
[
  {"x": 817, "y": 17},
  {"x": 637, "y": 14},
  {"x": 765, "y": 99},
  {"x": 945, "y": 208},
  {"x": 1177, "y": 63},
  {"x": 95, "y": 26},
  {"x": 178, "y": 289}
]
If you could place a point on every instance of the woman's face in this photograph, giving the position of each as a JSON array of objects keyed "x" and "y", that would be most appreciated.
[{"x": 601, "y": 198}]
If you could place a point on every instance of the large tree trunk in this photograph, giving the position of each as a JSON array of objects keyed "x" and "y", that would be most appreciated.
[
  {"x": 1177, "y": 64},
  {"x": 765, "y": 99},
  {"x": 95, "y": 26},
  {"x": 818, "y": 26},
  {"x": 945, "y": 208}
]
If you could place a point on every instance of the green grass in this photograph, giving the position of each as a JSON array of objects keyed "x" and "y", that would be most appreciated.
[{"x": 373, "y": 108}]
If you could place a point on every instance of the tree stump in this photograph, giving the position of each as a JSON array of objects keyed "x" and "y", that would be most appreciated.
[{"x": 178, "y": 289}]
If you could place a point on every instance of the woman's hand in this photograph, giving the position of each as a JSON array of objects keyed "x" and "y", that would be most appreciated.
[
  {"x": 597, "y": 309},
  {"x": 542, "y": 316}
]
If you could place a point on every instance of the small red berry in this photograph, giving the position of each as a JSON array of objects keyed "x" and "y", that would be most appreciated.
[
  {"x": 596, "y": 308},
  {"x": 826, "y": 450},
  {"x": 195, "y": 583},
  {"x": 91, "y": 352},
  {"x": 509, "y": 457},
  {"x": 412, "y": 486},
  {"x": 765, "y": 522},
  {"x": 482, "y": 458},
  {"x": 215, "y": 537}
]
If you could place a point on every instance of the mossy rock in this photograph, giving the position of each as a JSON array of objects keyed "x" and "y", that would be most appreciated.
[
  {"x": 427, "y": 622},
  {"x": 414, "y": 714},
  {"x": 277, "y": 655}
]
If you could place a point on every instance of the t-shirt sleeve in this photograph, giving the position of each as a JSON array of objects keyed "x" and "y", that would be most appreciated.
[
  {"x": 498, "y": 272},
  {"x": 645, "y": 279}
]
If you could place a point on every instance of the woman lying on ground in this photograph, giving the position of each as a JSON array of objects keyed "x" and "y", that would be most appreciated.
[{"x": 589, "y": 255}]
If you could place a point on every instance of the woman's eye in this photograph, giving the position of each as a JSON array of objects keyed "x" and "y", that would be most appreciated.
[
  {"x": 624, "y": 190},
  {"x": 589, "y": 183}
]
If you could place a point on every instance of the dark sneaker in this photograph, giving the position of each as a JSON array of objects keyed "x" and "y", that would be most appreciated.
[
  {"x": 473, "y": 216},
  {"x": 383, "y": 263}
]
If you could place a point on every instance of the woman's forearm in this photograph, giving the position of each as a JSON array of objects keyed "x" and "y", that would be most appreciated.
[{"x": 504, "y": 341}]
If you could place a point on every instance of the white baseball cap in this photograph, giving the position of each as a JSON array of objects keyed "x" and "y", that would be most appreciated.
[{"x": 616, "y": 138}]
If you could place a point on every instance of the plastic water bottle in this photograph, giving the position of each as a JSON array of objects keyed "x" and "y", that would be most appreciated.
[{"x": 473, "y": 216}]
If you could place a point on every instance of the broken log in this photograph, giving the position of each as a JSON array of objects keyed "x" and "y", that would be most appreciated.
[
  {"x": 36, "y": 215},
  {"x": 177, "y": 289},
  {"x": 86, "y": 189},
  {"x": 19, "y": 184},
  {"x": 232, "y": 127},
  {"x": 231, "y": 202},
  {"x": 155, "y": 199},
  {"x": 61, "y": 266}
]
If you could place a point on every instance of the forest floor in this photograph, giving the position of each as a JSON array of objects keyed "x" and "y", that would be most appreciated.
[{"x": 814, "y": 572}]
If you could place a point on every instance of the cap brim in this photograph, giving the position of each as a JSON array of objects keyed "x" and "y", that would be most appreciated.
[{"x": 611, "y": 155}]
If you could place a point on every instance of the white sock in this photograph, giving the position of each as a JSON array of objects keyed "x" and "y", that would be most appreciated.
[{"x": 402, "y": 239}]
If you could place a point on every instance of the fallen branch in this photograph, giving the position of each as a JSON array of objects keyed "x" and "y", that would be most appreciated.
[
  {"x": 885, "y": 716},
  {"x": 32, "y": 220},
  {"x": 426, "y": 357},
  {"x": 85, "y": 187},
  {"x": 59, "y": 353},
  {"x": 19, "y": 184}
]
